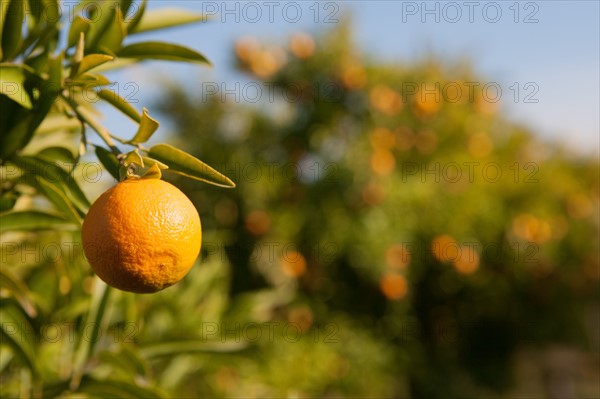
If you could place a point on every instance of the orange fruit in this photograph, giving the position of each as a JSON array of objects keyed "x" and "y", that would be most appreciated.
[
  {"x": 302, "y": 45},
  {"x": 142, "y": 235},
  {"x": 393, "y": 286},
  {"x": 467, "y": 262},
  {"x": 293, "y": 263}
]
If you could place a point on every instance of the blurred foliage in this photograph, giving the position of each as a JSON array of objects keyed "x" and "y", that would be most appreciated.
[
  {"x": 54, "y": 317},
  {"x": 398, "y": 202},
  {"x": 350, "y": 261}
]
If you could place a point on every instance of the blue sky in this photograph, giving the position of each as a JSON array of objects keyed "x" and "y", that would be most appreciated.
[{"x": 550, "y": 49}]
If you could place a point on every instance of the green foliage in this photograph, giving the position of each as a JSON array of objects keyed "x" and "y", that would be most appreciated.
[
  {"x": 47, "y": 98},
  {"x": 39, "y": 81}
]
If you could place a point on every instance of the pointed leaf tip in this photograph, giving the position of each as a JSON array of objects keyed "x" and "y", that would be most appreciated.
[{"x": 187, "y": 165}]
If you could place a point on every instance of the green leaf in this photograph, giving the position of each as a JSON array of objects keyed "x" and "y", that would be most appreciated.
[
  {"x": 113, "y": 36},
  {"x": 185, "y": 164},
  {"x": 13, "y": 283},
  {"x": 15, "y": 329},
  {"x": 99, "y": 23},
  {"x": 78, "y": 26},
  {"x": 12, "y": 29},
  {"x": 79, "y": 53},
  {"x": 33, "y": 221},
  {"x": 49, "y": 91},
  {"x": 60, "y": 154},
  {"x": 152, "y": 172},
  {"x": 128, "y": 361},
  {"x": 59, "y": 199},
  {"x": 117, "y": 389},
  {"x": 25, "y": 123},
  {"x": 92, "y": 61},
  {"x": 125, "y": 5},
  {"x": 146, "y": 129},
  {"x": 179, "y": 347},
  {"x": 47, "y": 11},
  {"x": 133, "y": 157},
  {"x": 109, "y": 160},
  {"x": 38, "y": 62},
  {"x": 3, "y": 7},
  {"x": 43, "y": 36},
  {"x": 96, "y": 316},
  {"x": 56, "y": 176},
  {"x": 88, "y": 80},
  {"x": 54, "y": 122},
  {"x": 135, "y": 20},
  {"x": 18, "y": 134},
  {"x": 162, "y": 51},
  {"x": 7, "y": 201},
  {"x": 117, "y": 63},
  {"x": 55, "y": 81},
  {"x": 12, "y": 83},
  {"x": 151, "y": 161},
  {"x": 166, "y": 18},
  {"x": 119, "y": 103}
]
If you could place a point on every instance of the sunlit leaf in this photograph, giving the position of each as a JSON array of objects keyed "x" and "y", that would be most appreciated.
[
  {"x": 152, "y": 172},
  {"x": 119, "y": 103},
  {"x": 151, "y": 161},
  {"x": 92, "y": 61},
  {"x": 117, "y": 63},
  {"x": 147, "y": 127},
  {"x": 89, "y": 81},
  {"x": 178, "y": 347},
  {"x": 185, "y": 164},
  {"x": 133, "y": 157},
  {"x": 79, "y": 25},
  {"x": 12, "y": 83},
  {"x": 56, "y": 122},
  {"x": 162, "y": 51},
  {"x": 33, "y": 221},
  {"x": 166, "y": 18}
]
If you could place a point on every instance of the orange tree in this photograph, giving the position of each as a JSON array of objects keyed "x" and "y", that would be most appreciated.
[
  {"x": 439, "y": 238},
  {"x": 53, "y": 56}
]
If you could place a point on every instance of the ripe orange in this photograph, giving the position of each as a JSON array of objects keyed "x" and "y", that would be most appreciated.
[
  {"x": 393, "y": 286},
  {"x": 142, "y": 235}
]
